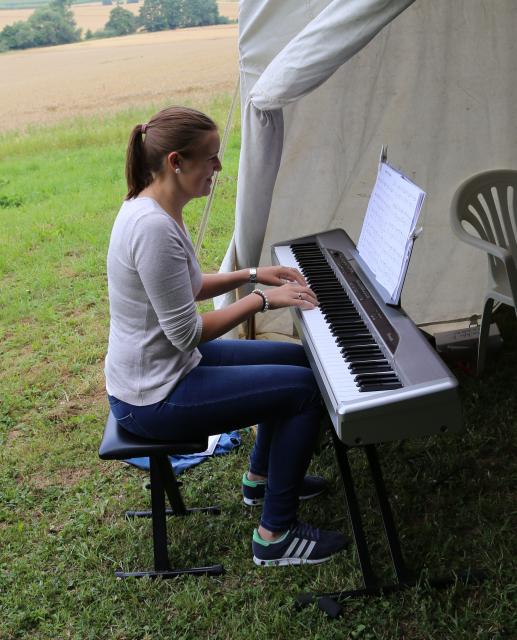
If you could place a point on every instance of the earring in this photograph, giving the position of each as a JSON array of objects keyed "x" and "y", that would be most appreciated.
[{"x": 177, "y": 170}]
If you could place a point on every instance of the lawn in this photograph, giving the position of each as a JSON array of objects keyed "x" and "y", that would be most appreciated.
[{"x": 62, "y": 531}]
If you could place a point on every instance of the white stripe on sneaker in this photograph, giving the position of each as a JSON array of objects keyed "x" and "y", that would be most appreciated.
[
  {"x": 301, "y": 547},
  {"x": 309, "y": 549},
  {"x": 291, "y": 547}
]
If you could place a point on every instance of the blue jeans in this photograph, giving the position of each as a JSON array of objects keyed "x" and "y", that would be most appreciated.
[{"x": 239, "y": 383}]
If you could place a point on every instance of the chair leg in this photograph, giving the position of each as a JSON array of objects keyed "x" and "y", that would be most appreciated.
[
  {"x": 161, "y": 557},
  {"x": 173, "y": 493},
  {"x": 164, "y": 481},
  {"x": 484, "y": 333}
]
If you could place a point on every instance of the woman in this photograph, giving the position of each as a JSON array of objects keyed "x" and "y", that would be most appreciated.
[{"x": 166, "y": 375}]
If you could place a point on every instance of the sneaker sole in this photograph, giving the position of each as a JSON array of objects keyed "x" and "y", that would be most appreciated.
[
  {"x": 257, "y": 502},
  {"x": 251, "y": 502},
  {"x": 284, "y": 562}
]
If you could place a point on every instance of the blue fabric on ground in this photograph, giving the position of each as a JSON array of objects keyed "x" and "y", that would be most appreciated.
[{"x": 227, "y": 442}]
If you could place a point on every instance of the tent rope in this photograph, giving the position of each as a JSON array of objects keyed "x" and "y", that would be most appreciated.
[{"x": 208, "y": 205}]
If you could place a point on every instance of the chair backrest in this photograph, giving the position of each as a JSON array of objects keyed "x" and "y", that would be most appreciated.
[{"x": 487, "y": 203}]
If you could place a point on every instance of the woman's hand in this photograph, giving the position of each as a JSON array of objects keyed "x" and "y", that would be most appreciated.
[
  {"x": 292, "y": 294},
  {"x": 277, "y": 276}
]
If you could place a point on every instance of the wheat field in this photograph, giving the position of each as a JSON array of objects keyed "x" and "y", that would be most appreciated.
[{"x": 42, "y": 86}]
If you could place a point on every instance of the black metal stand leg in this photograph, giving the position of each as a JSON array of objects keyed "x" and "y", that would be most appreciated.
[
  {"x": 161, "y": 557},
  {"x": 212, "y": 570},
  {"x": 163, "y": 481},
  {"x": 369, "y": 577},
  {"x": 401, "y": 571},
  {"x": 171, "y": 486},
  {"x": 330, "y": 603}
]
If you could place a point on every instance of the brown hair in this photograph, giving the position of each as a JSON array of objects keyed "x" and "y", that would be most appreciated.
[{"x": 173, "y": 129}]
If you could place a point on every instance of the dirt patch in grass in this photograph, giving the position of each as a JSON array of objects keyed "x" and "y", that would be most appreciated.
[
  {"x": 42, "y": 86},
  {"x": 62, "y": 478},
  {"x": 14, "y": 435}
]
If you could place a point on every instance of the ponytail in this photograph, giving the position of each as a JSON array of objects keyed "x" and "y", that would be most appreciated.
[{"x": 138, "y": 176}]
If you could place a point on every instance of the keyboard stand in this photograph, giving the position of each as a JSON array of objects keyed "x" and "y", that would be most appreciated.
[{"x": 331, "y": 603}]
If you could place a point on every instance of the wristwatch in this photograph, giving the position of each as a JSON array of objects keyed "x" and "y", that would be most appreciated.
[{"x": 253, "y": 275}]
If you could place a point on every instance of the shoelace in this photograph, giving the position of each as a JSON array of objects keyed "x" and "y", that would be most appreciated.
[{"x": 304, "y": 530}]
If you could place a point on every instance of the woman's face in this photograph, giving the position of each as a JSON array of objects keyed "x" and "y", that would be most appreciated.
[{"x": 196, "y": 173}]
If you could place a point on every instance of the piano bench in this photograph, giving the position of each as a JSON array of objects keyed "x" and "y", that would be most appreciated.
[{"x": 119, "y": 444}]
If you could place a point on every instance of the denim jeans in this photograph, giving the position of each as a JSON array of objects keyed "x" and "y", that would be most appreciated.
[{"x": 239, "y": 383}]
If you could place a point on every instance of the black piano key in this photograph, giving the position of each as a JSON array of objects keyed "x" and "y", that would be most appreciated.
[
  {"x": 357, "y": 350},
  {"x": 366, "y": 377},
  {"x": 360, "y": 353},
  {"x": 376, "y": 360},
  {"x": 369, "y": 356},
  {"x": 358, "y": 359},
  {"x": 342, "y": 316},
  {"x": 335, "y": 313},
  {"x": 352, "y": 332},
  {"x": 342, "y": 342},
  {"x": 369, "y": 367},
  {"x": 330, "y": 298},
  {"x": 380, "y": 387},
  {"x": 361, "y": 340},
  {"x": 366, "y": 380},
  {"x": 352, "y": 325}
]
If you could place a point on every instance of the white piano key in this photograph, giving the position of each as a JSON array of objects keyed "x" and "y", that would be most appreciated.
[{"x": 327, "y": 350}]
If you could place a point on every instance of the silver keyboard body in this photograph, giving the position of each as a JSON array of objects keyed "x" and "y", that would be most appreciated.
[{"x": 428, "y": 402}]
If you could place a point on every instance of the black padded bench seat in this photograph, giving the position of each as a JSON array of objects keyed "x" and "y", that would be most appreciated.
[{"x": 119, "y": 444}]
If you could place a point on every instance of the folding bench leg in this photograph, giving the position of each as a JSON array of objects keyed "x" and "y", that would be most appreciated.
[
  {"x": 162, "y": 481},
  {"x": 174, "y": 495}
]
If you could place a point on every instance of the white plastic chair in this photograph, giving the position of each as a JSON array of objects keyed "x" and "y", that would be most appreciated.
[{"x": 484, "y": 215}]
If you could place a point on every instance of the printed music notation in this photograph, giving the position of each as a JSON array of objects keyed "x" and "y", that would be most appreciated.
[{"x": 386, "y": 237}]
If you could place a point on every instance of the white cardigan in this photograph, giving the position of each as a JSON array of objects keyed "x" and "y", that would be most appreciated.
[{"x": 153, "y": 280}]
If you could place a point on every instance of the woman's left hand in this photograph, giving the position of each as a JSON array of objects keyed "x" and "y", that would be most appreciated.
[{"x": 277, "y": 276}]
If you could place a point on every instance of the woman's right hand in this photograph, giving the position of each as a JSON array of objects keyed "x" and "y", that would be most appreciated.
[{"x": 292, "y": 294}]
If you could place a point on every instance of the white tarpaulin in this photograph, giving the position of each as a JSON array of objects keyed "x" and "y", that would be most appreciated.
[{"x": 437, "y": 85}]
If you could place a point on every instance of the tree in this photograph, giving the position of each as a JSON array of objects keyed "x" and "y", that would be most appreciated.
[
  {"x": 156, "y": 15},
  {"x": 121, "y": 22},
  {"x": 17, "y": 35},
  {"x": 153, "y": 15},
  {"x": 53, "y": 24},
  {"x": 198, "y": 13}
]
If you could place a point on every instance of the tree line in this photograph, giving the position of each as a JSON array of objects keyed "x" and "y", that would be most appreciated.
[{"x": 55, "y": 24}]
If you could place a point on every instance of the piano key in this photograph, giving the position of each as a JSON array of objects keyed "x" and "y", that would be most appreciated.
[
  {"x": 381, "y": 387},
  {"x": 369, "y": 367},
  {"x": 356, "y": 408},
  {"x": 341, "y": 380},
  {"x": 332, "y": 305}
]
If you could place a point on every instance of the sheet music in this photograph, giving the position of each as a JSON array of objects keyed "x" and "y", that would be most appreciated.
[{"x": 387, "y": 234}]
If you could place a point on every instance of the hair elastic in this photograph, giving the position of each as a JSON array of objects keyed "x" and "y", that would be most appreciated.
[{"x": 143, "y": 128}]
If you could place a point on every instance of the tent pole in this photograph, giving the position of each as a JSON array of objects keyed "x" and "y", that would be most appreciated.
[{"x": 251, "y": 329}]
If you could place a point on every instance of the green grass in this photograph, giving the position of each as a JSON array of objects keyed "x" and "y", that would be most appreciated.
[{"x": 62, "y": 531}]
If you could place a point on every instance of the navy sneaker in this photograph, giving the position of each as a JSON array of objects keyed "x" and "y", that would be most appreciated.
[
  {"x": 253, "y": 492},
  {"x": 302, "y": 544}
]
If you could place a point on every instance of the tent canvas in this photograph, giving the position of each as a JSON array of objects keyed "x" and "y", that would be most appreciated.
[{"x": 325, "y": 83}]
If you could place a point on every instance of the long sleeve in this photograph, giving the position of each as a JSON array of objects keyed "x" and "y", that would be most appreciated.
[
  {"x": 153, "y": 279},
  {"x": 161, "y": 262}
]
